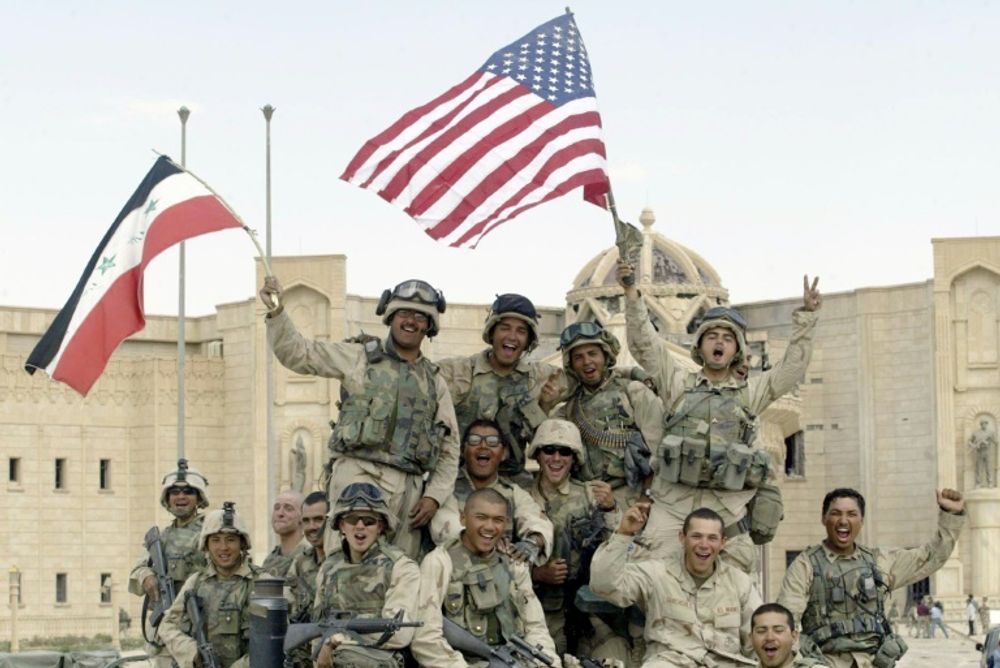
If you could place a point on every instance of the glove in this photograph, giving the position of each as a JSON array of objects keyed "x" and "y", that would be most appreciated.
[{"x": 526, "y": 551}]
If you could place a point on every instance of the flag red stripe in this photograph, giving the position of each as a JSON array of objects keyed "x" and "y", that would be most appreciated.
[
  {"x": 510, "y": 168},
  {"x": 555, "y": 161},
  {"x": 407, "y": 119},
  {"x": 119, "y": 313},
  {"x": 445, "y": 139}
]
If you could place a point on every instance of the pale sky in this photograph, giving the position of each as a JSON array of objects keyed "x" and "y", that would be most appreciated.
[{"x": 774, "y": 138}]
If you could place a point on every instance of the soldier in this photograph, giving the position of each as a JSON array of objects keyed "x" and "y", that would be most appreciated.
[
  {"x": 619, "y": 419},
  {"x": 838, "y": 589},
  {"x": 484, "y": 446},
  {"x": 471, "y": 583},
  {"x": 772, "y": 631},
  {"x": 301, "y": 577},
  {"x": 710, "y": 423},
  {"x": 697, "y": 607},
  {"x": 366, "y": 577},
  {"x": 583, "y": 515},
  {"x": 984, "y": 615},
  {"x": 182, "y": 493},
  {"x": 397, "y": 422},
  {"x": 224, "y": 588},
  {"x": 286, "y": 521},
  {"x": 498, "y": 383}
]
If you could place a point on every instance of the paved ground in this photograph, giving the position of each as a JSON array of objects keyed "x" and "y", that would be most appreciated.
[{"x": 957, "y": 651}]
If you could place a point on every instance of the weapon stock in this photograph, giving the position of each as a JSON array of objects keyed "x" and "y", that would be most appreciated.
[
  {"x": 299, "y": 634},
  {"x": 512, "y": 655},
  {"x": 193, "y": 604},
  {"x": 628, "y": 238},
  {"x": 158, "y": 563}
]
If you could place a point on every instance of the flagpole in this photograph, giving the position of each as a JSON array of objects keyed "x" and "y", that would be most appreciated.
[
  {"x": 272, "y": 451},
  {"x": 184, "y": 113}
]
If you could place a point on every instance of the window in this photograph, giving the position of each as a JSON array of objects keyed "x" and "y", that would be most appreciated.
[
  {"x": 60, "y": 587},
  {"x": 105, "y": 587},
  {"x": 105, "y": 474},
  {"x": 790, "y": 556},
  {"x": 60, "y": 473},
  {"x": 15, "y": 583},
  {"x": 795, "y": 456},
  {"x": 14, "y": 470}
]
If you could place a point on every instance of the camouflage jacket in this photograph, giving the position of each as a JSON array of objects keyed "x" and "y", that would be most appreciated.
[
  {"x": 301, "y": 583},
  {"x": 277, "y": 564},
  {"x": 180, "y": 545}
]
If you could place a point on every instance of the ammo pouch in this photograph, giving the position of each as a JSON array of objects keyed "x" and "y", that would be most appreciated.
[
  {"x": 766, "y": 511},
  {"x": 892, "y": 649},
  {"x": 760, "y": 468},
  {"x": 670, "y": 446},
  {"x": 731, "y": 472},
  {"x": 692, "y": 460}
]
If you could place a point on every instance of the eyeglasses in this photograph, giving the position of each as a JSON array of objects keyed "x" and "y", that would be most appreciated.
[
  {"x": 725, "y": 313},
  {"x": 586, "y": 329},
  {"x": 364, "y": 491},
  {"x": 491, "y": 441},
  {"x": 187, "y": 491},
  {"x": 560, "y": 450},
  {"x": 353, "y": 518},
  {"x": 420, "y": 318}
]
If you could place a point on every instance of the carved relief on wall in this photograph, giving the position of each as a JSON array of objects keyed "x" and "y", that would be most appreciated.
[
  {"x": 975, "y": 298},
  {"x": 309, "y": 310},
  {"x": 302, "y": 460},
  {"x": 982, "y": 445}
]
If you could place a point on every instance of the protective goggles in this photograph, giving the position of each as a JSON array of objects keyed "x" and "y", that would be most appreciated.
[
  {"x": 585, "y": 329},
  {"x": 560, "y": 450},
  {"x": 364, "y": 491},
  {"x": 419, "y": 291},
  {"x": 725, "y": 313}
]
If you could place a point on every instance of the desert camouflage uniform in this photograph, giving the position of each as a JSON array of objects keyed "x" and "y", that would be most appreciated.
[
  {"x": 277, "y": 564},
  {"x": 797, "y": 661},
  {"x": 452, "y": 579},
  {"x": 226, "y": 602},
  {"x": 437, "y": 432},
  {"x": 301, "y": 583},
  {"x": 897, "y": 568},
  {"x": 674, "y": 500},
  {"x": 687, "y": 625}
]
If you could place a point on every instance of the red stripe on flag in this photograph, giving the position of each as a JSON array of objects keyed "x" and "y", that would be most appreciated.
[
  {"x": 407, "y": 119},
  {"x": 508, "y": 169}
]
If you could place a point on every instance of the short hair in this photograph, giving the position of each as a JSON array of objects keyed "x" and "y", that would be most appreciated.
[
  {"x": 776, "y": 608},
  {"x": 316, "y": 497},
  {"x": 843, "y": 493},
  {"x": 489, "y": 495},
  {"x": 703, "y": 514},
  {"x": 485, "y": 422}
]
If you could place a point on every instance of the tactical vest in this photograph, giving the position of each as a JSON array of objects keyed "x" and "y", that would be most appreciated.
[
  {"x": 392, "y": 419},
  {"x": 479, "y": 595},
  {"x": 578, "y": 530},
  {"x": 709, "y": 437},
  {"x": 845, "y": 610},
  {"x": 180, "y": 546},
  {"x": 463, "y": 488},
  {"x": 361, "y": 588},
  {"x": 226, "y": 606},
  {"x": 605, "y": 420}
]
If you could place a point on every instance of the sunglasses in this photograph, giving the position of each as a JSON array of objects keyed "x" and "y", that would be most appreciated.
[
  {"x": 187, "y": 491},
  {"x": 492, "y": 441},
  {"x": 586, "y": 329},
  {"x": 560, "y": 450},
  {"x": 353, "y": 518}
]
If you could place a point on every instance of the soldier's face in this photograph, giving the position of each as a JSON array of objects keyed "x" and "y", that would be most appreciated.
[
  {"x": 555, "y": 465},
  {"x": 408, "y": 328},
  {"x": 587, "y": 362},
  {"x": 182, "y": 501},
  {"x": 702, "y": 544},
  {"x": 484, "y": 522},
  {"x": 718, "y": 347},
  {"x": 313, "y": 522},
  {"x": 226, "y": 551},
  {"x": 361, "y": 529},
  {"x": 843, "y": 522},
  {"x": 772, "y": 639},
  {"x": 510, "y": 340},
  {"x": 286, "y": 516},
  {"x": 483, "y": 460}
]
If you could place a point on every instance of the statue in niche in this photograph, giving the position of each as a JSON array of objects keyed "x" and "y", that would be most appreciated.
[
  {"x": 297, "y": 459},
  {"x": 984, "y": 442}
]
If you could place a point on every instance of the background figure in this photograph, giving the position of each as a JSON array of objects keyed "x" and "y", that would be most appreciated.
[
  {"x": 984, "y": 442},
  {"x": 971, "y": 613},
  {"x": 937, "y": 619},
  {"x": 298, "y": 462},
  {"x": 984, "y": 615}
]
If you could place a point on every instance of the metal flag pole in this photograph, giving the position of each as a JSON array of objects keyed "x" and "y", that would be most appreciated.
[
  {"x": 272, "y": 452},
  {"x": 183, "y": 112}
]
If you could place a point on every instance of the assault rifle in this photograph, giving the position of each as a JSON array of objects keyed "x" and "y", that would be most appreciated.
[
  {"x": 517, "y": 653},
  {"x": 195, "y": 610},
  {"x": 299, "y": 634},
  {"x": 158, "y": 563}
]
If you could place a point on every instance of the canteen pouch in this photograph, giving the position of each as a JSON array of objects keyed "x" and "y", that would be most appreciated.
[
  {"x": 692, "y": 459},
  {"x": 671, "y": 468},
  {"x": 760, "y": 468},
  {"x": 892, "y": 649},
  {"x": 766, "y": 511},
  {"x": 732, "y": 474}
]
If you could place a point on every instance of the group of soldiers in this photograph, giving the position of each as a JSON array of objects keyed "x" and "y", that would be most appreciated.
[{"x": 634, "y": 542}]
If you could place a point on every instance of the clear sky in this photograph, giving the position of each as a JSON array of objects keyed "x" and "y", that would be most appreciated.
[{"x": 775, "y": 138}]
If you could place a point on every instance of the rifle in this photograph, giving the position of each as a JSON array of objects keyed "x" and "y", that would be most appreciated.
[
  {"x": 195, "y": 610},
  {"x": 158, "y": 563},
  {"x": 628, "y": 238},
  {"x": 299, "y": 634},
  {"x": 516, "y": 653}
]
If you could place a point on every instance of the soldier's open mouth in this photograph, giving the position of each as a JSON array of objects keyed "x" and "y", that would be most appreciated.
[{"x": 770, "y": 649}]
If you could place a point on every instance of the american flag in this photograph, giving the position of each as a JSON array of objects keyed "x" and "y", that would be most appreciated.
[{"x": 521, "y": 130}]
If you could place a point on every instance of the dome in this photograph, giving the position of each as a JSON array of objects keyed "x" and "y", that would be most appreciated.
[{"x": 676, "y": 283}]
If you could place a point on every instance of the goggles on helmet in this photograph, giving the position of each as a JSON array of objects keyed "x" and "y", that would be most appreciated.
[
  {"x": 586, "y": 329},
  {"x": 364, "y": 491},
  {"x": 418, "y": 291},
  {"x": 725, "y": 313}
]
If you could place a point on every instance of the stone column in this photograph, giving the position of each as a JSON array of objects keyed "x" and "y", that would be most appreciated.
[{"x": 983, "y": 509}]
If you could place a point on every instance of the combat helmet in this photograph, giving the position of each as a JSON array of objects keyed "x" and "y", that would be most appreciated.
[
  {"x": 587, "y": 332},
  {"x": 415, "y": 295},
  {"x": 554, "y": 431},
  {"x": 223, "y": 521},
  {"x": 184, "y": 477},
  {"x": 362, "y": 496},
  {"x": 721, "y": 316},
  {"x": 512, "y": 305}
]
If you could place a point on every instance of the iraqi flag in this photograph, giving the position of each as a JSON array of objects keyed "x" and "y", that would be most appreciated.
[{"x": 169, "y": 206}]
